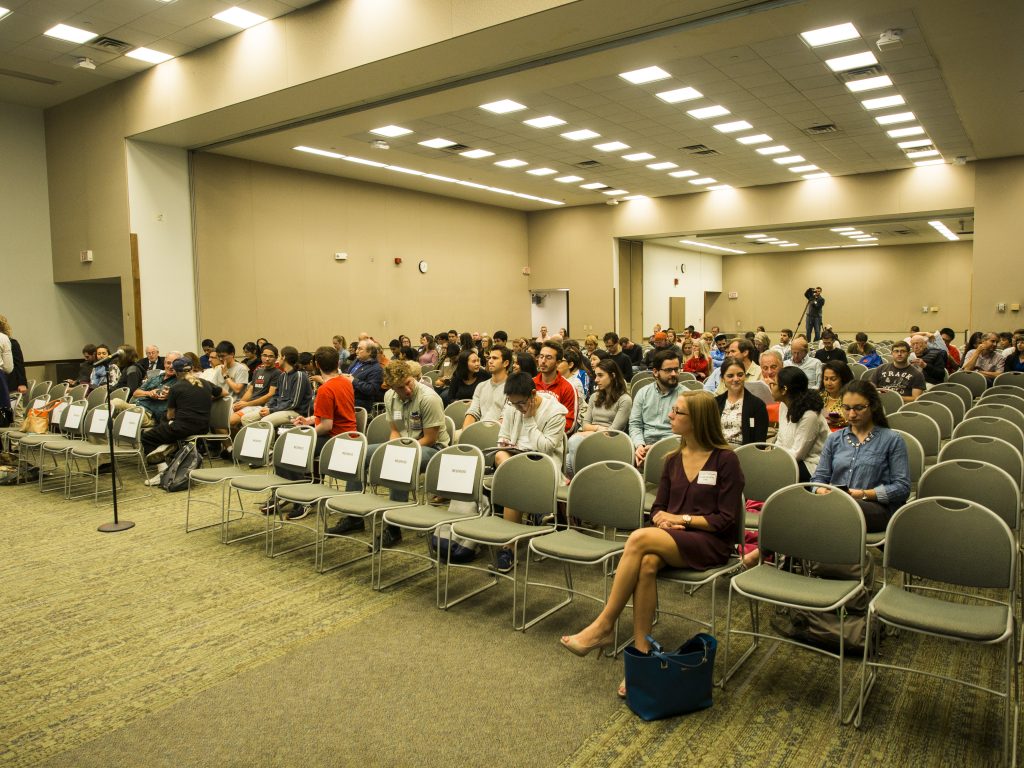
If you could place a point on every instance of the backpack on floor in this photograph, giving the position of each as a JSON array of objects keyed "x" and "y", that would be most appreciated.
[{"x": 175, "y": 477}]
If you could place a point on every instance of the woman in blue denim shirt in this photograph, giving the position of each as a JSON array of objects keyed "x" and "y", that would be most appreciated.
[{"x": 866, "y": 458}]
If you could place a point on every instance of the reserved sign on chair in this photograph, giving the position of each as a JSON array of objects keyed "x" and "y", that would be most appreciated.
[
  {"x": 456, "y": 474},
  {"x": 345, "y": 457},
  {"x": 296, "y": 449},
  {"x": 398, "y": 463}
]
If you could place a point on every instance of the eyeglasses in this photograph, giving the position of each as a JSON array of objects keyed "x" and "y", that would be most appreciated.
[
  {"x": 854, "y": 408},
  {"x": 519, "y": 405},
  {"x": 673, "y": 411},
  {"x": 669, "y": 370}
]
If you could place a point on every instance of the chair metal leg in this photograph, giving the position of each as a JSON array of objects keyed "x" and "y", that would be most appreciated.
[{"x": 524, "y": 624}]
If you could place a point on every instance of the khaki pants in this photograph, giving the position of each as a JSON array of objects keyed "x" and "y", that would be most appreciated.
[{"x": 117, "y": 405}]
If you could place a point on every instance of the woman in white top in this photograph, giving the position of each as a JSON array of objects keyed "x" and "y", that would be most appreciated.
[
  {"x": 608, "y": 408},
  {"x": 802, "y": 427}
]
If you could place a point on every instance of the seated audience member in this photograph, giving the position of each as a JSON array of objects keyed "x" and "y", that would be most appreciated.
[
  {"x": 261, "y": 389},
  {"x": 1007, "y": 353},
  {"x": 611, "y": 345},
  {"x": 929, "y": 359},
  {"x": 1005, "y": 343},
  {"x": 948, "y": 336},
  {"x": 543, "y": 335},
  {"x": 525, "y": 362},
  {"x": 802, "y": 427},
  {"x": 230, "y": 374},
  {"x": 899, "y": 375},
  {"x": 211, "y": 372},
  {"x": 718, "y": 353},
  {"x": 659, "y": 341},
  {"x": 649, "y": 419},
  {"x": 85, "y": 367},
  {"x": 133, "y": 370},
  {"x": 193, "y": 358},
  {"x": 834, "y": 376},
  {"x": 673, "y": 339},
  {"x": 550, "y": 380},
  {"x": 829, "y": 349},
  {"x": 489, "y": 396},
  {"x": 861, "y": 347},
  {"x": 367, "y": 375},
  {"x": 866, "y": 459},
  {"x": 531, "y": 421},
  {"x": 633, "y": 351},
  {"x": 985, "y": 359},
  {"x": 762, "y": 341},
  {"x": 189, "y": 401},
  {"x": 811, "y": 366},
  {"x": 608, "y": 408},
  {"x": 204, "y": 360},
  {"x": 339, "y": 343},
  {"x": 447, "y": 368},
  {"x": 500, "y": 339},
  {"x": 699, "y": 361},
  {"x": 151, "y": 396},
  {"x": 572, "y": 369},
  {"x": 104, "y": 374},
  {"x": 467, "y": 376},
  {"x": 694, "y": 524},
  {"x": 428, "y": 350},
  {"x": 154, "y": 363},
  {"x": 294, "y": 395},
  {"x": 784, "y": 347},
  {"x": 1015, "y": 362},
  {"x": 466, "y": 341},
  {"x": 409, "y": 355},
  {"x": 738, "y": 349},
  {"x": 770, "y": 364},
  {"x": 744, "y": 417},
  {"x": 395, "y": 346},
  {"x": 250, "y": 356},
  {"x": 485, "y": 344}
]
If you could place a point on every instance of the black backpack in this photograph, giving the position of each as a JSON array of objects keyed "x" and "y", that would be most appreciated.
[{"x": 175, "y": 477}]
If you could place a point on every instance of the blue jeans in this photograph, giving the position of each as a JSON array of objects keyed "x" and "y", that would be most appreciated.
[
  {"x": 426, "y": 453},
  {"x": 814, "y": 325}
]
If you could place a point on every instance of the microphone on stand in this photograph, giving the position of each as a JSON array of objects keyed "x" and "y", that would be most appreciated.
[{"x": 109, "y": 359}]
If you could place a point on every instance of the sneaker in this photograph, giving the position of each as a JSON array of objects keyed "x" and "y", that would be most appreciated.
[
  {"x": 298, "y": 512},
  {"x": 391, "y": 536},
  {"x": 347, "y": 525},
  {"x": 155, "y": 481},
  {"x": 270, "y": 508},
  {"x": 504, "y": 561},
  {"x": 157, "y": 454}
]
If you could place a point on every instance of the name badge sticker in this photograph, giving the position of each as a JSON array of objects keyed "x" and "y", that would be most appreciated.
[
  {"x": 751, "y": 422},
  {"x": 707, "y": 477}
]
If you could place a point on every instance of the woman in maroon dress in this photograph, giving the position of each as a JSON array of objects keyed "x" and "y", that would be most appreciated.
[{"x": 695, "y": 514}]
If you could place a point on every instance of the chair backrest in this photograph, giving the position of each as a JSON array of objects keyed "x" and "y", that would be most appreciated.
[
  {"x": 609, "y": 445},
  {"x": 998, "y": 410},
  {"x": 992, "y": 426},
  {"x": 78, "y": 392},
  {"x": 693, "y": 386},
  {"x": 926, "y": 538},
  {"x": 608, "y": 493},
  {"x": 128, "y": 429},
  {"x": 654, "y": 462},
  {"x": 891, "y": 401},
  {"x": 361, "y": 418},
  {"x": 957, "y": 389},
  {"x": 827, "y": 528},
  {"x": 457, "y": 473},
  {"x": 72, "y": 421},
  {"x": 938, "y": 411},
  {"x": 636, "y": 386},
  {"x": 449, "y": 423},
  {"x": 96, "y": 424},
  {"x": 220, "y": 413},
  {"x": 295, "y": 450},
  {"x": 343, "y": 457},
  {"x": 973, "y": 380},
  {"x": 641, "y": 375},
  {"x": 1002, "y": 389},
  {"x": 396, "y": 465},
  {"x": 379, "y": 429},
  {"x": 457, "y": 411},
  {"x": 977, "y": 481},
  {"x": 427, "y": 368},
  {"x": 915, "y": 456},
  {"x": 999, "y": 398},
  {"x": 766, "y": 469},
  {"x": 252, "y": 444},
  {"x": 121, "y": 393},
  {"x": 949, "y": 399},
  {"x": 858, "y": 369},
  {"x": 684, "y": 376},
  {"x": 985, "y": 448},
  {"x": 482, "y": 434},
  {"x": 58, "y": 390},
  {"x": 39, "y": 389},
  {"x": 1010, "y": 378},
  {"x": 433, "y": 375},
  {"x": 527, "y": 483},
  {"x": 920, "y": 425},
  {"x": 97, "y": 396}
]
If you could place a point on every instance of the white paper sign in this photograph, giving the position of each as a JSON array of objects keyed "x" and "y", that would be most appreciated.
[
  {"x": 129, "y": 423},
  {"x": 99, "y": 422},
  {"x": 399, "y": 463},
  {"x": 56, "y": 412},
  {"x": 296, "y": 449},
  {"x": 74, "y": 419},
  {"x": 456, "y": 474},
  {"x": 39, "y": 402},
  {"x": 345, "y": 457},
  {"x": 254, "y": 444}
]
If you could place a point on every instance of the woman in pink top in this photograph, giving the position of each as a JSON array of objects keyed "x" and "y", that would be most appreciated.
[{"x": 428, "y": 350}]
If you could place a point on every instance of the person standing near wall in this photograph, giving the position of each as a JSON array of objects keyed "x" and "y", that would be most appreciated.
[
  {"x": 16, "y": 380},
  {"x": 814, "y": 304}
]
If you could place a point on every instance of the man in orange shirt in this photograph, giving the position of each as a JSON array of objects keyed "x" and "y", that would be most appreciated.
[{"x": 550, "y": 380}]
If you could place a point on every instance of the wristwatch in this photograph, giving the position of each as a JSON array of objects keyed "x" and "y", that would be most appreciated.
[{"x": 687, "y": 519}]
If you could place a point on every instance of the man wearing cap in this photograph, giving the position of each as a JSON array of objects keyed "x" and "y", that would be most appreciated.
[{"x": 659, "y": 341}]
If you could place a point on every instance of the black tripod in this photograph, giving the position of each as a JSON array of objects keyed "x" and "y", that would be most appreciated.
[{"x": 117, "y": 525}]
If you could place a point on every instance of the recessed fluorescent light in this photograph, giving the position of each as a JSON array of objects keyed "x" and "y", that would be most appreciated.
[
  {"x": 789, "y": 160},
  {"x": 636, "y": 197},
  {"x": 710, "y": 245},
  {"x": 615, "y": 192},
  {"x": 363, "y": 161},
  {"x": 853, "y": 61},
  {"x": 943, "y": 230},
  {"x": 900, "y": 133},
  {"x": 914, "y": 143},
  {"x": 548, "y": 121},
  {"x": 569, "y": 179},
  {"x": 580, "y": 135},
  {"x": 149, "y": 55},
  {"x": 238, "y": 17},
  {"x": 719, "y": 187},
  {"x": 679, "y": 94},
  {"x": 854, "y": 233},
  {"x": 511, "y": 163},
  {"x": 803, "y": 168},
  {"x": 869, "y": 83},
  {"x": 645, "y": 75},
  {"x": 829, "y": 35},
  {"x": 705, "y": 112},
  {"x": 682, "y": 174},
  {"x": 842, "y": 229},
  {"x": 438, "y": 143},
  {"x": 735, "y": 125},
  {"x": 817, "y": 175},
  {"x": 860, "y": 245},
  {"x": 71, "y": 34},
  {"x": 638, "y": 156},
  {"x": 769, "y": 240},
  {"x": 788, "y": 245},
  {"x": 936, "y": 161},
  {"x": 321, "y": 152},
  {"x": 896, "y": 117},
  {"x": 757, "y": 138},
  {"x": 755, "y": 237},
  {"x": 391, "y": 131},
  {"x": 778, "y": 149},
  {"x": 922, "y": 153},
  {"x": 541, "y": 171},
  {"x": 662, "y": 166},
  {"x": 4, "y": 12},
  {"x": 611, "y": 146},
  {"x": 821, "y": 247},
  {"x": 503, "y": 107},
  {"x": 594, "y": 185},
  {"x": 704, "y": 180},
  {"x": 476, "y": 154},
  {"x": 884, "y": 102},
  {"x": 865, "y": 239}
]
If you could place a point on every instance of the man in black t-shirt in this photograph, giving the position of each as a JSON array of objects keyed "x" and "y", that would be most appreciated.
[
  {"x": 829, "y": 351},
  {"x": 263, "y": 385},
  {"x": 611, "y": 343}
]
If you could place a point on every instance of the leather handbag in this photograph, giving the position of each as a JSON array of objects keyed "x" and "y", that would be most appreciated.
[
  {"x": 37, "y": 420},
  {"x": 663, "y": 683}
]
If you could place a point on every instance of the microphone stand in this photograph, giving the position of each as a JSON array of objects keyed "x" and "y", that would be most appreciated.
[{"x": 117, "y": 525}]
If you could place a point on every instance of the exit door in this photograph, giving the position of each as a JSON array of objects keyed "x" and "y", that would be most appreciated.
[{"x": 677, "y": 312}]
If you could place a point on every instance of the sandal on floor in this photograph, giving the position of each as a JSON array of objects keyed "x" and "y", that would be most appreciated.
[{"x": 622, "y": 689}]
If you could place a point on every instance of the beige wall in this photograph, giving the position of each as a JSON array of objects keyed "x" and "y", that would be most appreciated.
[
  {"x": 265, "y": 243},
  {"x": 998, "y": 253}
]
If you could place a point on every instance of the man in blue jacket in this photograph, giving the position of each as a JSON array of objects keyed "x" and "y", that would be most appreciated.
[{"x": 367, "y": 376}]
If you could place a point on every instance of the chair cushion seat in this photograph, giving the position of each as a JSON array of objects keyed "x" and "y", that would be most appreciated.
[
  {"x": 256, "y": 482},
  {"x": 94, "y": 450},
  {"x": 361, "y": 503},
  {"x": 874, "y": 539},
  {"x": 424, "y": 517},
  {"x": 307, "y": 493},
  {"x": 496, "y": 530},
  {"x": 562, "y": 492},
  {"x": 690, "y": 576},
  {"x": 928, "y": 614},
  {"x": 60, "y": 445},
  {"x": 216, "y": 474},
  {"x": 33, "y": 440},
  {"x": 649, "y": 497},
  {"x": 576, "y": 546},
  {"x": 770, "y": 583}
]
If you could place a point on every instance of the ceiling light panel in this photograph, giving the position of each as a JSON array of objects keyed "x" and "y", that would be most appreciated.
[
  {"x": 548, "y": 121},
  {"x": 4, "y": 12},
  {"x": 615, "y": 192},
  {"x": 923, "y": 153},
  {"x": 706, "y": 112},
  {"x": 853, "y": 61},
  {"x": 662, "y": 166},
  {"x": 914, "y": 143},
  {"x": 238, "y": 17},
  {"x": 682, "y": 174},
  {"x": 594, "y": 185},
  {"x": 503, "y": 107},
  {"x": 869, "y": 84},
  {"x": 778, "y": 149},
  {"x": 476, "y": 154},
  {"x": 611, "y": 146},
  {"x": 580, "y": 135},
  {"x": 542, "y": 171},
  {"x": 757, "y": 138},
  {"x": 512, "y": 162},
  {"x": 638, "y": 156},
  {"x": 943, "y": 230},
  {"x": 645, "y": 75},
  {"x": 70, "y": 34},
  {"x": 149, "y": 56},
  {"x": 936, "y": 161},
  {"x": 719, "y": 187},
  {"x": 902, "y": 133},
  {"x": 679, "y": 94},
  {"x": 438, "y": 143},
  {"x": 789, "y": 160},
  {"x": 710, "y": 245},
  {"x": 733, "y": 127},
  {"x": 568, "y": 179},
  {"x": 884, "y": 102},
  {"x": 803, "y": 168},
  {"x": 817, "y": 175},
  {"x": 896, "y": 117},
  {"x": 837, "y": 33},
  {"x": 390, "y": 131},
  {"x": 703, "y": 181}
]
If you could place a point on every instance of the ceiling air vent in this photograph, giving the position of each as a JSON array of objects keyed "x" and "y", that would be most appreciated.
[
  {"x": 903, "y": 232},
  {"x": 588, "y": 164},
  {"x": 110, "y": 45},
  {"x": 701, "y": 150},
  {"x": 821, "y": 130},
  {"x": 454, "y": 149},
  {"x": 857, "y": 74}
]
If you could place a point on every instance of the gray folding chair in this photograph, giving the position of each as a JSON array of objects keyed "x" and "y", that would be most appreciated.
[
  {"x": 219, "y": 432},
  {"x": 939, "y": 413},
  {"x": 973, "y": 380},
  {"x": 1010, "y": 378},
  {"x": 891, "y": 401},
  {"x": 1000, "y": 411},
  {"x": 379, "y": 429},
  {"x": 362, "y": 417},
  {"x": 609, "y": 445},
  {"x": 767, "y": 468},
  {"x": 57, "y": 391},
  {"x": 654, "y": 465},
  {"x": 636, "y": 386},
  {"x": 693, "y": 386},
  {"x": 924, "y": 428},
  {"x": 92, "y": 455},
  {"x": 97, "y": 396},
  {"x": 824, "y": 528},
  {"x": 949, "y": 399},
  {"x": 30, "y": 445},
  {"x": 457, "y": 412},
  {"x": 989, "y": 449},
  {"x": 915, "y": 459},
  {"x": 72, "y": 432},
  {"x": 986, "y": 559},
  {"x": 858, "y": 370},
  {"x": 1001, "y": 398},
  {"x": 605, "y": 497},
  {"x": 78, "y": 392},
  {"x": 959, "y": 390},
  {"x": 992, "y": 426},
  {"x": 482, "y": 434},
  {"x": 1002, "y": 389},
  {"x": 683, "y": 376}
]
